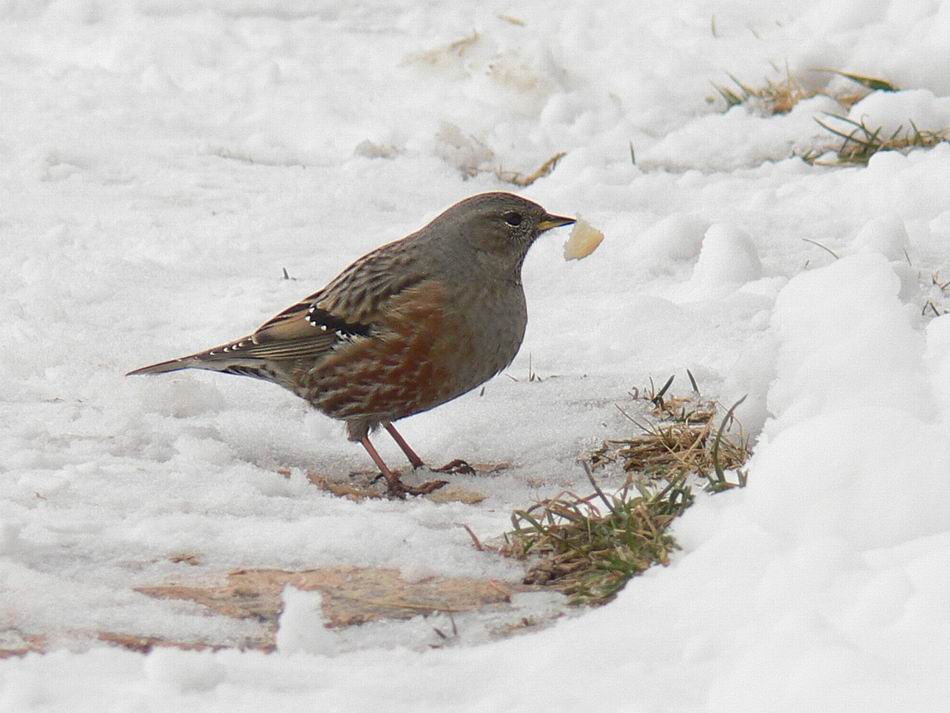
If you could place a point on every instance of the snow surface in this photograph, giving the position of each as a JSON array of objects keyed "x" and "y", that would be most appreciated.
[{"x": 161, "y": 162}]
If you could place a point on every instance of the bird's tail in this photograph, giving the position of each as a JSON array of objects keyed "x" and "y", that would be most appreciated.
[
  {"x": 163, "y": 367},
  {"x": 221, "y": 358}
]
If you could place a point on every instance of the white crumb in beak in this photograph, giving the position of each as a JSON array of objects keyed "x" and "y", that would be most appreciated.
[{"x": 583, "y": 241}]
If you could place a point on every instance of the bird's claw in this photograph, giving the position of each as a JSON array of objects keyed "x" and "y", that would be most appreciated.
[
  {"x": 426, "y": 488},
  {"x": 455, "y": 467},
  {"x": 397, "y": 489}
]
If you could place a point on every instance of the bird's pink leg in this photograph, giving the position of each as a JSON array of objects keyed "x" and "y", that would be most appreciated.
[
  {"x": 456, "y": 466},
  {"x": 414, "y": 459},
  {"x": 396, "y": 486}
]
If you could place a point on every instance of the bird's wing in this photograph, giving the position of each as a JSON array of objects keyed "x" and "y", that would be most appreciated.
[
  {"x": 349, "y": 308},
  {"x": 357, "y": 296},
  {"x": 293, "y": 337}
]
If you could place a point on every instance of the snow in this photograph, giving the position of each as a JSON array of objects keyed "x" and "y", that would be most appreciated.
[
  {"x": 301, "y": 626},
  {"x": 892, "y": 112},
  {"x": 161, "y": 164},
  {"x": 886, "y": 235},
  {"x": 728, "y": 258}
]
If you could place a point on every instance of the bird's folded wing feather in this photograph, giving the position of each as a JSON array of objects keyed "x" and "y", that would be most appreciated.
[
  {"x": 348, "y": 308},
  {"x": 351, "y": 307}
]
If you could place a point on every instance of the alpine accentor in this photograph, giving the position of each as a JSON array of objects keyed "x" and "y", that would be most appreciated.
[{"x": 407, "y": 327}]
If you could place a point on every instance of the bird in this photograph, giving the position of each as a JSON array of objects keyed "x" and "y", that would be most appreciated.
[{"x": 407, "y": 327}]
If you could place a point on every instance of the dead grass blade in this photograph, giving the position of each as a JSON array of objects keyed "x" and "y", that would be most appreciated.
[
  {"x": 823, "y": 247},
  {"x": 872, "y": 83},
  {"x": 523, "y": 181}
]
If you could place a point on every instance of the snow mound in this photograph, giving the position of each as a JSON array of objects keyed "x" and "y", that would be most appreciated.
[
  {"x": 901, "y": 111},
  {"x": 728, "y": 258},
  {"x": 885, "y": 236},
  {"x": 301, "y": 626}
]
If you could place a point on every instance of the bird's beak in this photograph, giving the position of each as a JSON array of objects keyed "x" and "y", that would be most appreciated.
[{"x": 553, "y": 221}]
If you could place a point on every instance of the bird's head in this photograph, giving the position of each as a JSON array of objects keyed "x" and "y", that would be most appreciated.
[{"x": 499, "y": 227}]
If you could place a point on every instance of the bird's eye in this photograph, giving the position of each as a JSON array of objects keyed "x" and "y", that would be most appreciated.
[{"x": 513, "y": 219}]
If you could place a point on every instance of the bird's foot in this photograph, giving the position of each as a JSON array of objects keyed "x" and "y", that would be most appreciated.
[
  {"x": 424, "y": 488},
  {"x": 395, "y": 488},
  {"x": 455, "y": 467}
]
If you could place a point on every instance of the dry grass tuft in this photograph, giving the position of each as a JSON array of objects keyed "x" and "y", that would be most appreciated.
[
  {"x": 771, "y": 98},
  {"x": 781, "y": 97},
  {"x": 589, "y": 547},
  {"x": 859, "y": 142},
  {"x": 673, "y": 450},
  {"x": 682, "y": 441}
]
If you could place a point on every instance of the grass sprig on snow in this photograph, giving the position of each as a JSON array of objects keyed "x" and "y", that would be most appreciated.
[
  {"x": 780, "y": 97},
  {"x": 859, "y": 141},
  {"x": 590, "y": 546},
  {"x": 770, "y": 98}
]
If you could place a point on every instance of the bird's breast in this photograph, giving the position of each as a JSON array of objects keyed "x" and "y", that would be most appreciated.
[
  {"x": 492, "y": 319},
  {"x": 434, "y": 343}
]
